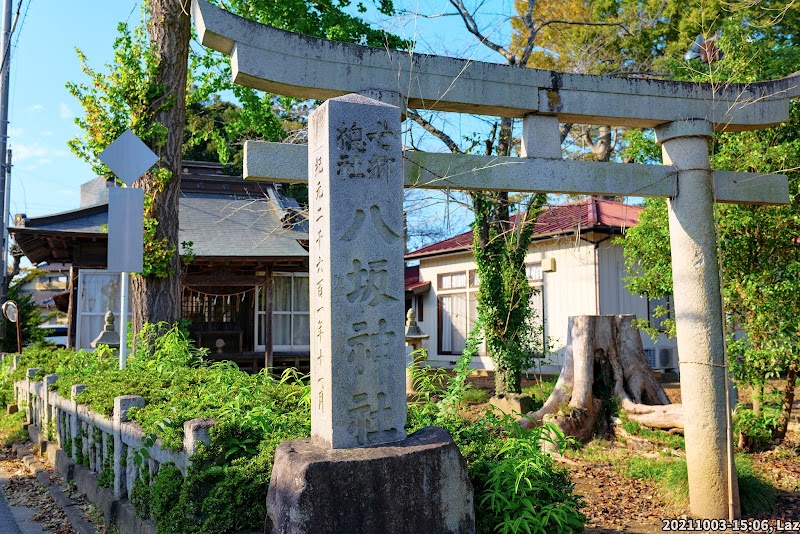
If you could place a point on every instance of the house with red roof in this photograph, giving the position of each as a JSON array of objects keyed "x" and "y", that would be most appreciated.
[{"x": 573, "y": 262}]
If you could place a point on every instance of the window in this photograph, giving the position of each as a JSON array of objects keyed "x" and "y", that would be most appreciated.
[
  {"x": 453, "y": 280},
  {"x": 98, "y": 292},
  {"x": 458, "y": 310},
  {"x": 211, "y": 311},
  {"x": 533, "y": 271},
  {"x": 291, "y": 326},
  {"x": 452, "y": 323}
]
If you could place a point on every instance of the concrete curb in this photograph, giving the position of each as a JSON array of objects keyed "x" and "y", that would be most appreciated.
[
  {"x": 117, "y": 512},
  {"x": 73, "y": 513}
]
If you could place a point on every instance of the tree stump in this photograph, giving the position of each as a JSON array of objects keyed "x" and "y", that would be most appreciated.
[{"x": 604, "y": 359}]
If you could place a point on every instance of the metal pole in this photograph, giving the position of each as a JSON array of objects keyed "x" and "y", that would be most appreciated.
[
  {"x": 123, "y": 322},
  {"x": 19, "y": 335},
  {"x": 5, "y": 57}
]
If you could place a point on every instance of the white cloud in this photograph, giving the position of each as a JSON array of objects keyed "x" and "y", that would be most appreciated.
[
  {"x": 16, "y": 132},
  {"x": 30, "y": 165},
  {"x": 64, "y": 111},
  {"x": 47, "y": 133},
  {"x": 23, "y": 151},
  {"x": 36, "y": 107}
]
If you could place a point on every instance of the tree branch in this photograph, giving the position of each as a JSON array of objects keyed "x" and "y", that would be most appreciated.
[
  {"x": 533, "y": 31},
  {"x": 578, "y": 23},
  {"x": 443, "y": 137},
  {"x": 472, "y": 27}
]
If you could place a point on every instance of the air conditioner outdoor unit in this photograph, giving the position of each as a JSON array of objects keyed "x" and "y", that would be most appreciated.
[{"x": 667, "y": 358}]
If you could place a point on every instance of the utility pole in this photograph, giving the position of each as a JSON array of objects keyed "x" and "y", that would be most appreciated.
[{"x": 5, "y": 54}]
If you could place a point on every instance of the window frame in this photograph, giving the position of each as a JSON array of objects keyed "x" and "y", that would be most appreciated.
[
  {"x": 294, "y": 312},
  {"x": 469, "y": 293}
]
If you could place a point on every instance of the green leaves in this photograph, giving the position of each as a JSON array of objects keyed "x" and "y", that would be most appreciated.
[
  {"x": 507, "y": 322},
  {"x": 526, "y": 491},
  {"x": 119, "y": 99}
]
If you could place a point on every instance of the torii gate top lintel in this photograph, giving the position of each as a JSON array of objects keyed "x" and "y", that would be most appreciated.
[{"x": 287, "y": 63}]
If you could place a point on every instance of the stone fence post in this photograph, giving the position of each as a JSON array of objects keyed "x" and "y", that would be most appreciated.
[
  {"x": 122, "y": 405},
  {"x": 29, "y": 399},
  {"x": 75, "y": 422},
  {"x": 195, "y": 432},
  {"x": 47, "y": 407}
]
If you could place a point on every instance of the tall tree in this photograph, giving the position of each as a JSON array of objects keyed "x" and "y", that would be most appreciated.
[
  {"x": 146, "y": 90},
  {"x": 157, "y": 298},
  {"x": 501, "y": 240},
  {"x": 759, "y": 257}
]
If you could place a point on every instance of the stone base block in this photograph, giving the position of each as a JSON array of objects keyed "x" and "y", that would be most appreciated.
[
  {"x": 64, "y": 465},
  {"x": 512, "y": 403},
  {"x": 418, "y": 485}
]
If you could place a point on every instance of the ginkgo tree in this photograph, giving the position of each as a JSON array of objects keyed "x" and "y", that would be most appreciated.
[{"x": 145, "y": 89}]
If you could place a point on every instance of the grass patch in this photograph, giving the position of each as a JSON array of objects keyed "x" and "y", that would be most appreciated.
[
  {"x": 11, "y": 430},
  {"x": 671, "y": 476},
  {"x": 755, "y": 494},
  {"x": 596, "y": 451},
  {"x": 649, "y": 468},
  {"x": 657, "y": 437},
  {"x": 540, "y": 390},
  {"x": 475, "y": 396}
]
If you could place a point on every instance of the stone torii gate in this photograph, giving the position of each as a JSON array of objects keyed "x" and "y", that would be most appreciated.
[{"x": 684, "y": 116}]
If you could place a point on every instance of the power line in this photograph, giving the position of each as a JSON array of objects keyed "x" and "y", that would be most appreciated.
[
  {"x": 7, "y": 53},
  {"x": 21, "y": 24}
]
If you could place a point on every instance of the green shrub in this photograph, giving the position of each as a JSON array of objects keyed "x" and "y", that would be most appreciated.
[
  {"x": 540, "y": 390},
  {"x": 758, "y": 428},
  {"x": 226, "y": 485},
  {"x": 11, "y": 429},
  {"x": 476, "y": 396},
  {"x": 526, "y": 492},
  {"x": 518, "y": 487}
]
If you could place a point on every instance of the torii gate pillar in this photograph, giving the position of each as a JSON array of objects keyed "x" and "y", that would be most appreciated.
[{"x": 713, "y": 487}]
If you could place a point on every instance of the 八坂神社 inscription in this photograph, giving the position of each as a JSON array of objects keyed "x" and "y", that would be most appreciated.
[{"x": 356, "y": 273}]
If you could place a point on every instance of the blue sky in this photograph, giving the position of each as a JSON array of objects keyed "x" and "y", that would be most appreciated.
[{"x": 45, "y": 175}]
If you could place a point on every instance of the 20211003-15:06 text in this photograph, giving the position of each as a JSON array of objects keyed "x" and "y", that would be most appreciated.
[{"x": 736, "y": 525}]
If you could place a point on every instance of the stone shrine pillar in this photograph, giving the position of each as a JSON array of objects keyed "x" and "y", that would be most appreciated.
[
  {"x": 699, "y": 320},
  {"x": 359, "y": 473},
  {"x": 356, "y": 255}
]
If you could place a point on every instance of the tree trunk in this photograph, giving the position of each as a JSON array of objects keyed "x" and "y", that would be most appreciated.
[
  {"x": 758, "y": 394},
  {"x": 604, "y": 359},
  {"x": 157, "y": 298},
  {"x": 507, "y": 381},
  {"x": 786, "y": 406}
]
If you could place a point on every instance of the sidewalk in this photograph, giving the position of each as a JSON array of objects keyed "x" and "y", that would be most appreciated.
[
  {"x": 34, "y": 499},
  {"x": 15, "y": 519}
]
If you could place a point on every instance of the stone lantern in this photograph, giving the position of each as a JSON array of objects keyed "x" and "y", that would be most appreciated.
[
  {"x": 108, "y": 336},
  {"x": 414, "y": 337}
]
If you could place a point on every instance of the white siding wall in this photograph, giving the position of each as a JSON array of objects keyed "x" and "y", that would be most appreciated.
[
  {"x": 616, "y": 299},
  {"x": 569, "y": 290},
  {"x": 585, "y": 282}
]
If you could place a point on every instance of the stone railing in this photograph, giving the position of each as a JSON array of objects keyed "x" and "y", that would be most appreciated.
[{"x": 107, "y": 447}]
